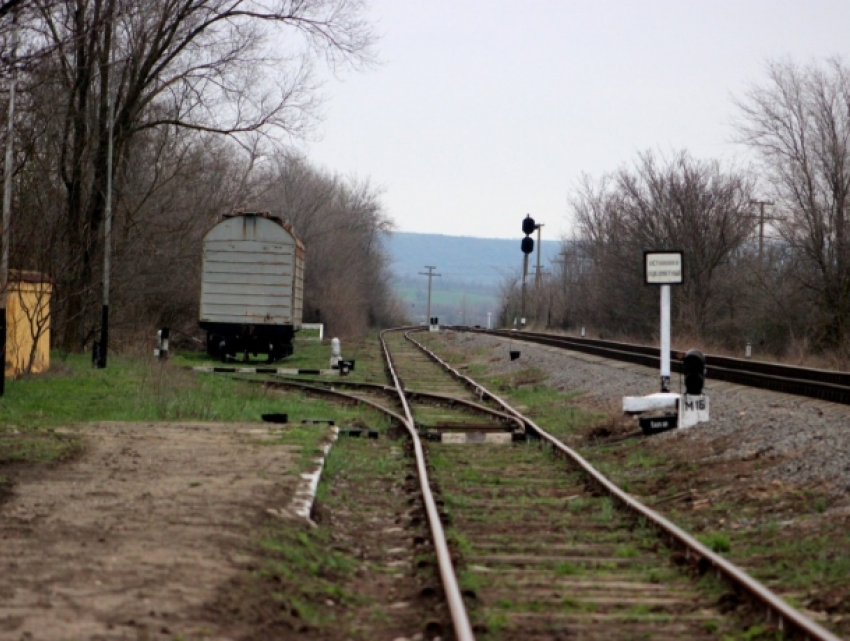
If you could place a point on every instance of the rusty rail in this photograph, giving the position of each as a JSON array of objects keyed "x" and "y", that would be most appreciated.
[
  {"x": 786, "y": 618},
  {"x": 457, "y": 609},
  {"x": 409, "y": 393},
  {"x": 826, "y": 385}
]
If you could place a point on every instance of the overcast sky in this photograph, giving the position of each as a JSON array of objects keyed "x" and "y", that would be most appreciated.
[{"x": 485, "y": 110}]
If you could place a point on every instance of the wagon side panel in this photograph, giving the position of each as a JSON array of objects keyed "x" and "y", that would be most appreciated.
[
  {"x": 298, "y": 286},
  {"x": 250, "y": 268}
]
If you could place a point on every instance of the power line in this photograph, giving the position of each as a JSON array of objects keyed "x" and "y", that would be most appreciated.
[
  {"x": 430, "y": 275},
  {"x": 762, "y": 219}
]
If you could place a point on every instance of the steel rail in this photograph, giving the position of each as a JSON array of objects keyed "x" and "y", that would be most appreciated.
[
  {"x": 457, "y": 609},
  {"x": 376, "y": 387},
  {"x": 412, "y": 395},
  {"x": 480, "y": 391},
  {"x": 801, "y": 381},
  {"x": 332, "y": 392},
  {"x": 780, "y": 371},
  {"x": 776, "y": 607},
  {"x": 471, "y": 405}
]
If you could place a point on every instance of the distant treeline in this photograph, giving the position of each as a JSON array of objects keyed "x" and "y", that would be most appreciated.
[
  {"x": 766, "y": 248},
  {"x": 169, "y": 117}
]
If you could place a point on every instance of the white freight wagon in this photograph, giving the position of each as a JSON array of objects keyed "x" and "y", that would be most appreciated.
[{"x": 252, "y": 286}]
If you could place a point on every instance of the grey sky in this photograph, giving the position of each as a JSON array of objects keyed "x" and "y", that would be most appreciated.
[{"x": 485, "y": 110}]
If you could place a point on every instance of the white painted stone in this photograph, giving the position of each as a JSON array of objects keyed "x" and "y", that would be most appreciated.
[
  {"x": 453, "y": 438},
  {"x": 652, "y": 402},
  {"x": 693, "y": 410}
]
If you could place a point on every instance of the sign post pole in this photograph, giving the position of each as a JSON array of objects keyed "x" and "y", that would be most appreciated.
[
  {"x": 665, "y": 338},
  {"x": 667, "y": 410},
  {"x": 664, "y": 268}
]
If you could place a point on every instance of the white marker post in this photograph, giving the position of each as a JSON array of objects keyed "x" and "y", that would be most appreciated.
[
  {"x": 665, "y": 338},
  {"x": 664, "y": 268}
]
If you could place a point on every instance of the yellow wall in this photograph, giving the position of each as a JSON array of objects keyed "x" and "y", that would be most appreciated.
[{"x": 27, "y": 313}]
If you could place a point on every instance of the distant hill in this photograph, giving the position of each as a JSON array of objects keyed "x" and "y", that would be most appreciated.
[
  {"x": 470, "y": 269},
  {"x": 484, "y": 261}
]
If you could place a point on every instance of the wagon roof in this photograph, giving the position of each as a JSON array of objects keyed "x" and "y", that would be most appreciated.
[
  {"x": 268, "y": 216},
  {"x": 260, "y": 214}
]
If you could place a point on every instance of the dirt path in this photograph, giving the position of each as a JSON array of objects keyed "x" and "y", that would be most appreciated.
[{"x": 131, "y": 541}]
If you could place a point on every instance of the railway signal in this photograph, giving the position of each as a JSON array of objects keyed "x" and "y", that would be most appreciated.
[
  {"x": 527, "y": 246},
  {"x": 693, "y": 366}
]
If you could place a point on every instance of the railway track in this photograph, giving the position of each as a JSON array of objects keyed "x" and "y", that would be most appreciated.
[
  {"x": 826, "y": 385},
  {"x": 544, "y": 556},
  {"x": 529, "y": 538}
]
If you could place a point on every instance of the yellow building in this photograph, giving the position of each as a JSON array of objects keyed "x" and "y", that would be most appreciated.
[{"x": 27, "y": 323}]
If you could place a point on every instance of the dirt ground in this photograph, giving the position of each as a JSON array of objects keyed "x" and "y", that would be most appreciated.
[{"x": 131, "y": 540}]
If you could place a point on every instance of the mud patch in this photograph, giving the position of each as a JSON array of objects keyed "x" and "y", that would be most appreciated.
[{"x": 136, "y": 536}]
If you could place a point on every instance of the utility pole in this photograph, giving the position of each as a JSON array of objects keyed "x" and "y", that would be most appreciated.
[
  {"x": 107, "y": 236},
  {"x": 430, "y": 275},
  {"x": 538, "y": 226},
  {"x": 562, "y": 261},
  {"x": 539, "y": 271},
  {"x": 524, "y": 278},
  {"x": 762, "y": 219},
  {"x": 7, "y": 206}
]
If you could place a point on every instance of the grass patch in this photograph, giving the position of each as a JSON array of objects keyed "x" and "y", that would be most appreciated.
[
  {"x": 304, "y": 572},
  {"x": 605, "y": 513},
  {"x": 554, "y": 411},
  {"x": 642, "y": 459},
  {"x": 762, "y": 632},
  {"x": 626, "y": 551},
  {"x": 716, "y": 541},
  {"x": 497, "y": 622},
  {"x": 565, "y": 568},
  {"x": 137, "y": 389},
  {"x": 471, "y": 581},
  {"x": 130, "y": 389},
  {"x": 306, "y": 354},
  {"x": 316, "y": 576}
]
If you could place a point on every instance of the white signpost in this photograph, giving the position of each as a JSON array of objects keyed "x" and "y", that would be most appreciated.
[
  {"x": 664, "y": 268},
  {"x": 666, "y": 410}
]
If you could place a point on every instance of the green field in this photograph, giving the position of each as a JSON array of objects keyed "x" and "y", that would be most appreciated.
[
  {"x": 451, "y": 305},
  {"x": 138, "y": 389}
]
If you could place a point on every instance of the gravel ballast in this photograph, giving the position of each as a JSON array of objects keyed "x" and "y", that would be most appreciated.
[{"x": 801, "y": 441}]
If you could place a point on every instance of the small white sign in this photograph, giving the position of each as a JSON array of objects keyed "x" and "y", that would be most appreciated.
[
  {"x": 662, "y": 268},
  {"x": 693, "y": 410}
]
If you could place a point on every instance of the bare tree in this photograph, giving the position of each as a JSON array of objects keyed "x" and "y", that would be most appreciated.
[
  {"x": 798, "y": 122},
  {"x": 571, "y": 285},
  {"x": 200, "y": 65},
  {"x": 342, "y": 223},
  {"x": 510, "y": 294},
  {"x": 675, "y": 203},
  {"x": 9, "y": 5}
]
